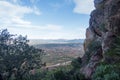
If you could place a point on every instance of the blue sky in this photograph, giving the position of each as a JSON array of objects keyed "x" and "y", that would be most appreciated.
[{"x": 46, "y": 19}]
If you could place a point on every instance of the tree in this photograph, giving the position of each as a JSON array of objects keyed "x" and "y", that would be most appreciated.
[{"x": 17, "y": 58}]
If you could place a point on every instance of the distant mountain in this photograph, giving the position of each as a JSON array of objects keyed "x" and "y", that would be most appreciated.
[{"x": 51, "y": 41}]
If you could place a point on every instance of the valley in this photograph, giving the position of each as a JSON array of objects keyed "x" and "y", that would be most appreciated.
[{"x": 59, "y": 51}]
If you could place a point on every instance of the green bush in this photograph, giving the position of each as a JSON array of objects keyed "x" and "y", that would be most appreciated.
[
  {"x": 78, "y": 76},
  {"x": 63, "y": 73},
  {"x": 17, "y": 57},
  {"x": 112, "y": 55},
  {"x": 102, "y": 27},
  {"x": 92, "y": 47},
  {"x": 57, "y": 74},
  {"x": 115, "y": 48},
  {"x": 107, "y": 72},
  {"x": 76, "y": 63}
]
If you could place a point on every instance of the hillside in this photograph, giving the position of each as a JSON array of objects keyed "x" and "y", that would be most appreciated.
[{"x": 60, "y": 52}]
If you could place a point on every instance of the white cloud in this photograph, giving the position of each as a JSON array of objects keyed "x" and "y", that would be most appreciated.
[
  {"x": 19, "y": 21},
  {"x": 20, "y": 1},
  {"x": 36, "y": 11},
  {"x": 14, "y": 1},
  {"x": 34, "y": 1},
  {"x": 64, "y": 34},
  {"x": 12, "y": 18},
  {"x": 47, "y": 27},
  {"x": 68, "y": 1},
  {"x": 59, "y": 34},
  {"x": 14, "y": 14},
  {"x": 56, "y": 6},
  {"x": 83, "y": 6},
  {"x": 49, "y": 31},
  {"x": 53, "y": 27}
]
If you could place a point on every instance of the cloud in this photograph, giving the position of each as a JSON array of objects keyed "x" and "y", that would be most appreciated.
[
  {"x": 53, "y": 27},
  {"x": 56, "y": 6},
  {"x": 49, "y": 31},
  {"x": 34, "y": 1},
  {"x": 20, "y": 1},
  {"x": 62, "y": 33},
  {"x": 47, "y": 27},
  {"x": 12, "y": 17},
  {"x": 83, "y": 6},
  {"x": 14, "y": 14},
  {"x": 36, "y": 11},
  {"x": 68, "y": 1},
  {"x": 53, "y": 31},
  {"x": 14, "y": 1}
]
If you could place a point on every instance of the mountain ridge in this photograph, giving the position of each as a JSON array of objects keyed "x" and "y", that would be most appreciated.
[{"x": 54, "y": 41}]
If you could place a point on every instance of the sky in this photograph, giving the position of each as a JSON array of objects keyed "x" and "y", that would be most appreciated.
[{"x": 46, "y": 19}]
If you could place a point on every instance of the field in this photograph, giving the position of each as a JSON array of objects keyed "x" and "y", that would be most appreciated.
[{"x": 60, "y": 52}]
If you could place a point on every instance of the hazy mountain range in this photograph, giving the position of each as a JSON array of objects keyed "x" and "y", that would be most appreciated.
[{"x": 52, "y": 41}]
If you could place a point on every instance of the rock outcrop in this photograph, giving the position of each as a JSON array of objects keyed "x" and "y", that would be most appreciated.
[{"x": 103, "y": 30}]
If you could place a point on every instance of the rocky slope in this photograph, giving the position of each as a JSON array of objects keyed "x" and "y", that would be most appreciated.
[{"x": 101, "y": 36}]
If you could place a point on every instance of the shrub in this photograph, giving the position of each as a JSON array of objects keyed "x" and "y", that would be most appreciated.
[
  {"x": 57, "y": 74},
  {"x": 62, "y": 73},
  {"x": 76, "y": 63},
  {"x": 102, "y": 27},
  {"x": 92, "y": 47},
  {"x": 78, "y": 76},
  {"x": 17, "y": 57},
  {"x": 112, "y": 55},
  {"x": 107, "y": 72}
]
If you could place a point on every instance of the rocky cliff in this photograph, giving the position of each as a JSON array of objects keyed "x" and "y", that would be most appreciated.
[{"x": 101, "y": 36}]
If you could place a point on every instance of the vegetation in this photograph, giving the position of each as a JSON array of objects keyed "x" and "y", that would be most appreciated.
[
  {"x": 60, "y": 52},
  {"x": 19, "y": 61},
  {"x": 110, "y": 70},
  {"x": 102, "y": 28},
  {"x": 17, "y": 58},
  {"x": 92, "y": 47},
  {"x": 70, "y": 72},
  {"x": 115, "y": 51},
  {"x": 107, "y": 72},
  {"x": 76, "y": 63}
]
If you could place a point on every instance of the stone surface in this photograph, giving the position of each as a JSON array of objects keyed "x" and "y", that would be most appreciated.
[
  {"x": 89, "y": 37},
  {"x": 98, "y": 1},
  {"x": 104, "y": 26}
]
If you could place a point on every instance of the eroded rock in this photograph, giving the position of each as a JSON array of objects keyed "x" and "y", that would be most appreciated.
[{"x": 104, "y": 27}]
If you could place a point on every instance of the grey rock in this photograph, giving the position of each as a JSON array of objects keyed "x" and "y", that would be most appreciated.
[
  {"x": 98, "y": 1},
  {"x": 104, "y": 26}
]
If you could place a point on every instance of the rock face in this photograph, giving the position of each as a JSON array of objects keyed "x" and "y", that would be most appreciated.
[{"x": 103, "y": 30}]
